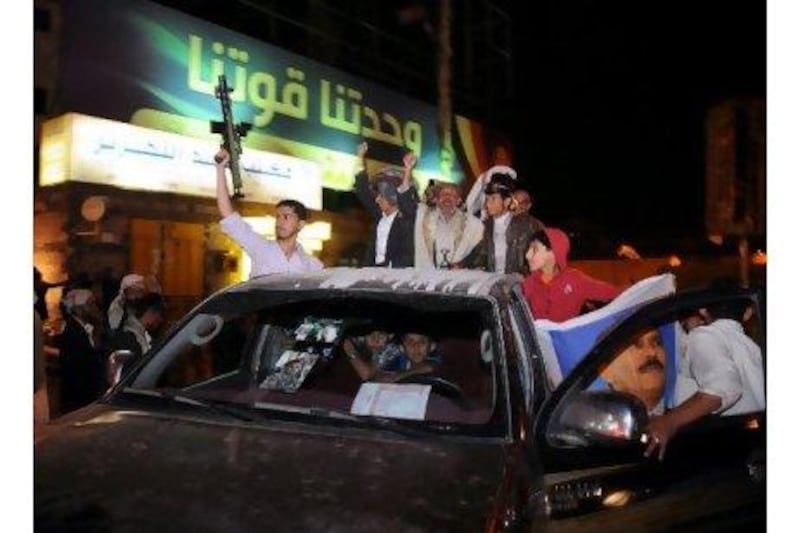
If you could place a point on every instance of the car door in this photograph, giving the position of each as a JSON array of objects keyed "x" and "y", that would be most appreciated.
[{"x": 592, "y": 431}]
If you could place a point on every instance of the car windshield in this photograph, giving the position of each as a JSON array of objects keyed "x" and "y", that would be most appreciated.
[{"x": 425, "y": 360}]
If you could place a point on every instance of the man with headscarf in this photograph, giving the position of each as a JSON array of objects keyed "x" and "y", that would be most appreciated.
[
  {"x": 131, "y": 288},
  {"x": 505, "y": 236},
  {"x": 476, "y": 198},
  {"x": 142, "y": 322},
  {"x": 443, "y": 234},
  {"x": 80, "y": 357},
  {"x": 392, "y": 242}
]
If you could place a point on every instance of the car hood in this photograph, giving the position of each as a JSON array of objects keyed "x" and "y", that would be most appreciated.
[{"x": 124, "y": 470}]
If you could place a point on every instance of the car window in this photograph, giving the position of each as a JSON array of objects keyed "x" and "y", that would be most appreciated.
[
  {"x": 422, "y": 360},
  {"x": 665, "y": 363},
  {"x": 713, "y": 347}
]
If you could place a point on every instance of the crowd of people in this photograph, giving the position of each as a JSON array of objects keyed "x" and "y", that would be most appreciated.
[
  {"x": 493, "y": 230},
  {"x": 93, "y": 328}
]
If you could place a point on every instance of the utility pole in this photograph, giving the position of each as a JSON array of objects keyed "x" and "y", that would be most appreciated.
[{"x": 444, "y": 86}]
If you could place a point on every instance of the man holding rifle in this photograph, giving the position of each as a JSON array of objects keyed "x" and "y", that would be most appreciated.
[{"x": 284, "y": 254}]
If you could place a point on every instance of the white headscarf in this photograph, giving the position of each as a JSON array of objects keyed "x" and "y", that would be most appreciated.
[
  {"x": 76, "y": 298},
  {"x": 131, "y": 280}
]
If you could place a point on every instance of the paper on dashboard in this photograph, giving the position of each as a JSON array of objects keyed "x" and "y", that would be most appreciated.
[{"x": 393, "y": 400}]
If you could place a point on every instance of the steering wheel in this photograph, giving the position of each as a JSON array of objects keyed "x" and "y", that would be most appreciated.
[{"x": 438, "y": 384}]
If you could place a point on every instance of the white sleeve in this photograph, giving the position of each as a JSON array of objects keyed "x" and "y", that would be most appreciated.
[
  {"x": 474, "y": 202},
  {"x": 235, "y": 227},
  {"x": 713, "y": 368}
]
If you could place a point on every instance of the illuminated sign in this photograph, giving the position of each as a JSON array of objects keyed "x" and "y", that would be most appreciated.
[
  {"x": 139, "y": 62},
  {"x": 93, "y": 150}
]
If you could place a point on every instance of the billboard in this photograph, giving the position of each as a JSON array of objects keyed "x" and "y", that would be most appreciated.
[
  {"x": 139, "y": 62},
  {"x": 93, "y": 150}
]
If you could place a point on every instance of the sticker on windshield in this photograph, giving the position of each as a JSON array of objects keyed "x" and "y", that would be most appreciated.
[
  {"x": 290, "y": 371},
  {"x": 319, "y": 330}
]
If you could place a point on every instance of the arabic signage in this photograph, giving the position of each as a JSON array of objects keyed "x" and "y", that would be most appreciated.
[
  {"x": 93, "y": 150},
  {"x": 140, "y": 62}
]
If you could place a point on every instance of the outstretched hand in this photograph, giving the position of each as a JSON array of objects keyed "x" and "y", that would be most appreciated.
[{"x": 660, "y": 431}]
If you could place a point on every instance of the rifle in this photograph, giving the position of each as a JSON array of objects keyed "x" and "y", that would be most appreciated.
[{"x": 231, "y": 134}]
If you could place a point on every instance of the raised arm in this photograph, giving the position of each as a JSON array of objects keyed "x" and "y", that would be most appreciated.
[
  {"x": 408, "y": 199},
  {"x": 474, "y": 202},
  {"x": 366, "y": 370},
  {"x": 362, "y": 183},
  {"x": 598, "y": 291},
  {"x": 223, "y": 195}
]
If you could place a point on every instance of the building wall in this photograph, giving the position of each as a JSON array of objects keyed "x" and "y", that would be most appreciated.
[
  {"x": 50, "y": 244},
  {"x": 176, "y": 238}
]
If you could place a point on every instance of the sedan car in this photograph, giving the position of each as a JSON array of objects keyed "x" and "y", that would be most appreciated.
[{"x": 377, "y": 399}]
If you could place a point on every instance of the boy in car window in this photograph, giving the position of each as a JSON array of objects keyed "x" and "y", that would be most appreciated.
[
  {"x": 388, "y": 362},
  {"x": 418, "y": 357}
]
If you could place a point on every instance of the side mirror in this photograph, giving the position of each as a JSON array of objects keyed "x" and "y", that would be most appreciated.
[
  {"x": 599, "y": 418},
  {"x": 114, "y": 365}
]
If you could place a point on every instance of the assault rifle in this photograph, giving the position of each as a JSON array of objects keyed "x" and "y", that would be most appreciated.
[{"x": 231, "y": 134}]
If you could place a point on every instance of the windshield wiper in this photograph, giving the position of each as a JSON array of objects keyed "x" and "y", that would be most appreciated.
[
  {"x": 371, "y": 421},
  {"x": 217, "y": 406}
]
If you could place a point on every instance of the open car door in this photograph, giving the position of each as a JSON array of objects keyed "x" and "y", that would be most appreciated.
[{"x": 592, "y": 430}]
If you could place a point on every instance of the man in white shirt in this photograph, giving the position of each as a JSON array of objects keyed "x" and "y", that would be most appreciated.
[
  {"x": 727, "y": 368},
  {"x": 285, "y": 253}
]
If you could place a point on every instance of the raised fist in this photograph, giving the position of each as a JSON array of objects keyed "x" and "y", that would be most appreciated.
[{"x": 409, "y": 160}]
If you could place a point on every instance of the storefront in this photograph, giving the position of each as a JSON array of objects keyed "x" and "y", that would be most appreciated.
[
  {"x": 131, "y": 199},
  {"x": 126, "y": 178}
]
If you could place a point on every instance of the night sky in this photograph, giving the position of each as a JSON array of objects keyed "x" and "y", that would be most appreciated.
[
  {"x": 608, "y": 120},
  {"x": 612, "y": 139}
]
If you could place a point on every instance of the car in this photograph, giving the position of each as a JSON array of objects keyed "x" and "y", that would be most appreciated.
[{"x": 255, "y": 412}]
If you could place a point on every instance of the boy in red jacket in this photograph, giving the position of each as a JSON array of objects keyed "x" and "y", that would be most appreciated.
[{"x": 554, "y": 291}]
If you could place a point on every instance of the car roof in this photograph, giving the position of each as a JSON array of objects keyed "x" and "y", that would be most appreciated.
[{"x": 430, "y": 281}]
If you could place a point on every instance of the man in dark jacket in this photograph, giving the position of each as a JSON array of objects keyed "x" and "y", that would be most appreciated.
[
  {"x": 506, "y": 236},
  {"x": 80, "y": 357},
  {"x": 392, "y": 241}
]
